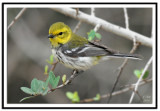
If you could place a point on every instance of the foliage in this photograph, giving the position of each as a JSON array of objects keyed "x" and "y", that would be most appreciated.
[
  {"x": 74, "y": 97},
  {"x": 92, "y": 34},
  {"x": 39, "y": 87},
  {"x": 97, "y": 98},
  {"x": 138, "y": 73},
  {"x": 64, "y": 78}
]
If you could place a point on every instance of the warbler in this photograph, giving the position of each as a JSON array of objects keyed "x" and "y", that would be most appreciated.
[{"x": 77, "y": 52}]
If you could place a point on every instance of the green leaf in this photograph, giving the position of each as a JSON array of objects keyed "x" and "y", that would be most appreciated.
[
  {"x": 43, "y": 88},
  {"x": 64, "y": 78},
  {"x": 56, "y": 81},
  {"x": 27, "y": 90},
  {"x": 51, "y": 58},
  {"x": 91, "y": 35},
  {"x": 46, "y": 69},
  {"x": 39, "y": 87},
  {"x": 47, "y": 81},
  {"x": 26, "y": 98},
  {"x": 35, "y": 85},
  {"x": 97, "y": 98},
  {"x": 75, "y": 97},
  {"x": 146, "y": 75},
  {"x": 137, "y": 73},
  {"x": 53, "y": 80},
  {"x": 98, "y": 35},
  {"x": 69, "y": 95},
  {"x": 48, "y": 62}
]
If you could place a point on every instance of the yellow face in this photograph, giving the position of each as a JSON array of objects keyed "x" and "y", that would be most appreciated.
[{"x": 59, "y": 33}]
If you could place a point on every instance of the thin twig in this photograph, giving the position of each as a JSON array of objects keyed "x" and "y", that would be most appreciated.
[
  {"x": 135, "y": 45},
  {"x": 139, "y": 96},
  {"x": 96, "y": 28},
  {"x": 129, "y": 34},
  {"x": 128, "y": 88},
  {"x": 16, "y": 18},
  {"x": 77, "y": 27},
  {"x": 126, "y": 18},
  {"x": 54, "y": 66},
  {"x": 138, "y": 82},
  {"x": 92, "y": 11},
  {"x": 77, "y": 10}
]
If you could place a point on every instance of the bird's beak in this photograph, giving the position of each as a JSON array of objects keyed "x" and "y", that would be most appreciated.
[{"x": 51, "y": 36}]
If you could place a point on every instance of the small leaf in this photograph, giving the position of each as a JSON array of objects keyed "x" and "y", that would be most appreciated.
[
  {"x": 90, "y": 38},
  {"x": 137, "y": 73},
  {"x": 56, "y": 81},
  {"x": 48, "y": 62},
  {"x": 26, "y": 98},
  {"x": 97, "y": 98},
  {"x": 75, "y": 97},
  {"x": 42, "y": 88},
  {"x": 98, "y": 35},
  {"x": 53, "y": 80},
  {"x": 46, "y": 69},
  {"x": 91, "y": 35},
  {"x": 64, "y": 78},
  {"x": 69, "y": 95},
  {"x": 34, "y": 85},
  {"x": 51, "y": 58},
  {"x": 47, "y": 81},
  {"x": 27, "y": 90},
  {"x": 146, "y": 75}
]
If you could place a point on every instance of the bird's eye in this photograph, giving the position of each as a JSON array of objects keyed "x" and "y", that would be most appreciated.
[{"x": 60, "y": 33}]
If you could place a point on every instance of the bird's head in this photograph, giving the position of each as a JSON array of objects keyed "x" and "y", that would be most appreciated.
[{"x": 59, "y": 33}]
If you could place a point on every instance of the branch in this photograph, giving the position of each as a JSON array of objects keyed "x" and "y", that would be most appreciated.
[
  {"x": 77, "y": 27},
  {"x": 130, "y": 87},
  {"x": 126, "y": 18},
  {"x": 144, "y": 40},
  {"x": 54, "y": 66},
  {"x": 96, "y": 28},
  {"x": 135, "y": 45},
  {"x": 92, "y": 11},
  {"x": 16, "y": 18},
  {"x": 138, "y": 82}
]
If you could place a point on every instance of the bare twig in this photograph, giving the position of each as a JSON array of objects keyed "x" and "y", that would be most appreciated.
[
  {"x": 16, "y": 18},
  {"x": 77, "y": 27},
  {"x": 139, "y": 96},
  {"x": 144, "y": 40},
  {"x": 92, "y": 11},
  {"x": 54, "y": 66},
  {"x": 138, "y": 82},
  {"x": 77, "y": 10},
  {"x": 126, "y": 18},
  {"x": 135, "y": 45},
  {"x": 128, "y": 88},
  {"x": 96, "y": 28}
]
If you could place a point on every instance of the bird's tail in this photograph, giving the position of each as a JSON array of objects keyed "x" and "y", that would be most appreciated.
[{"x": 123, "y": 55}]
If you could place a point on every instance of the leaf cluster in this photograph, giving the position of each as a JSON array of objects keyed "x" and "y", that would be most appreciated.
[{"x": 39, "y": 87}]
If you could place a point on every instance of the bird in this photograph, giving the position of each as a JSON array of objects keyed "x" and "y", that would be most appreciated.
[{"x": 77, "y": 52}]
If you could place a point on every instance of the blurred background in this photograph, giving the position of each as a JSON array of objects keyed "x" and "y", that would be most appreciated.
[{"x": 28, "y": 48}]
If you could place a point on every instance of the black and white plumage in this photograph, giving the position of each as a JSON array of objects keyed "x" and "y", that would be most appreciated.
[{"x": 83, "y": 57}]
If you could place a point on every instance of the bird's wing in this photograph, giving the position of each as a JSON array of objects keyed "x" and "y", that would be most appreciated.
[{"x": 87, "y": 50}]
